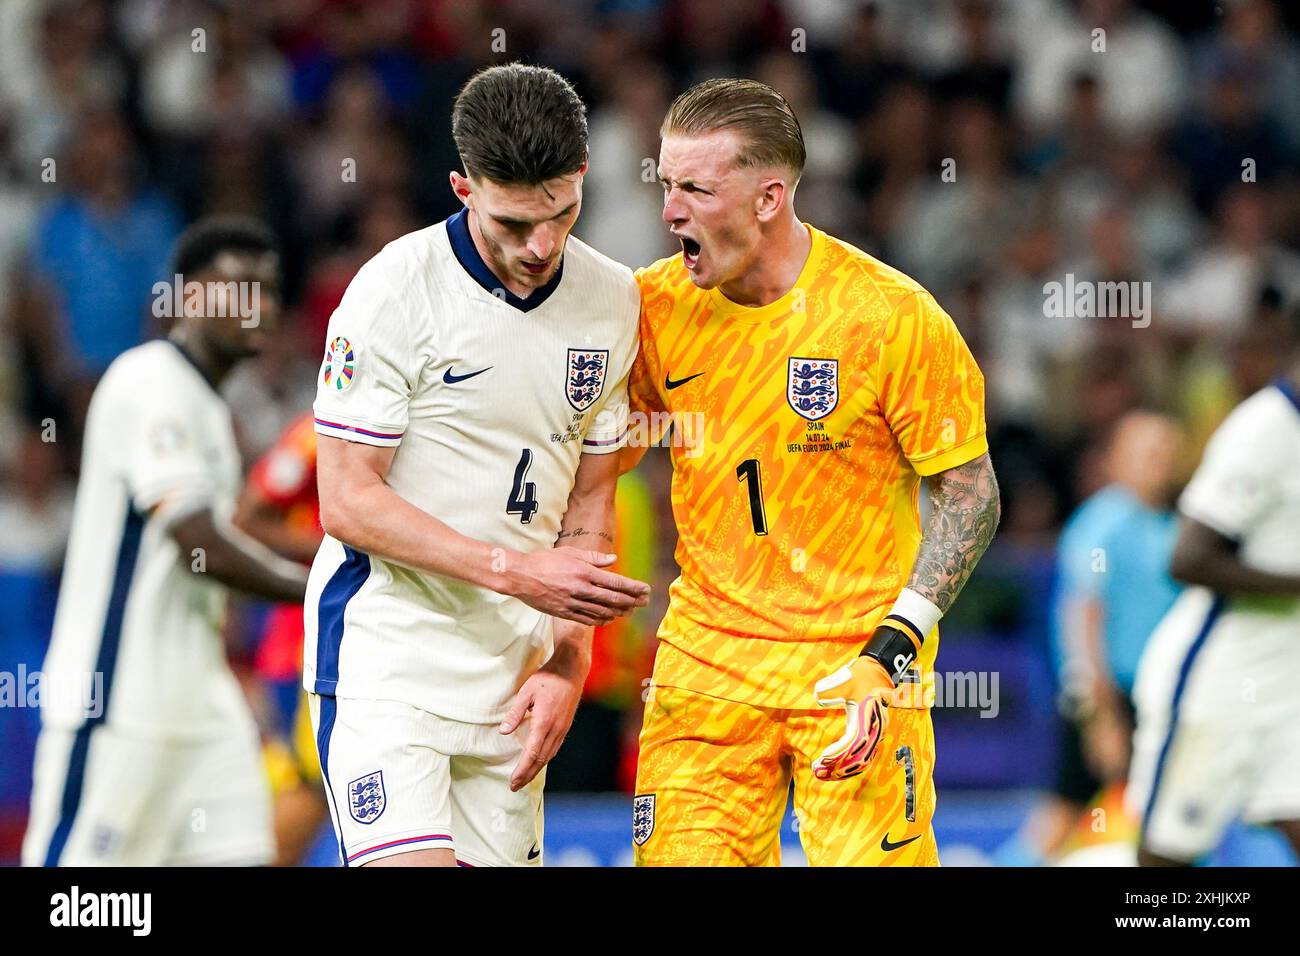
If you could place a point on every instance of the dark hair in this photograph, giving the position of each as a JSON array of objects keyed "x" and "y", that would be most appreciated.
[
  {"x": 206, "y": 239},
  {"x": 519, "y": 124},
  {"x": 757, "y": 113}
]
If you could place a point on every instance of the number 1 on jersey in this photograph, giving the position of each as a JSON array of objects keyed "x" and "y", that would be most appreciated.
[
  {"x": 749, "y": 471},
  {"x": 523, "y": 495}
]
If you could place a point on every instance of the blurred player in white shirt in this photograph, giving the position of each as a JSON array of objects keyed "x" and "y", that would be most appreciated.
[
  {"x": 1218, "y": 733},
  {"x": 159, "y": 763},
  {"x": 473, "y": 391}
]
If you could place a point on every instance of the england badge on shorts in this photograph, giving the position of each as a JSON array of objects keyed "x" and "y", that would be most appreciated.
[
  {"x": 643, "y": 817},
  {"x": 813, "y": 387},
  {"x": 586, "y": 376},
  {"x": 366, "y": 799}
]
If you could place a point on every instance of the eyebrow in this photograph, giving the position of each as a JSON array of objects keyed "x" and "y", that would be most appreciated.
[
  {"x": 507, "y": 221},
  {"x": 684, "y": 182}
]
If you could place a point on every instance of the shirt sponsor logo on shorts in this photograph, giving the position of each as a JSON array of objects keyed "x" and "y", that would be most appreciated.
[
  {"x": 643, "y": 817},
  {"x": 366, "y": 798}
]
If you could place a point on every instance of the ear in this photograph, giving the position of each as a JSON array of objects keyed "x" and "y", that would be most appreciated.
[
  {"x": 772, "y": 198},
  {"x": 460, "y": 185}
]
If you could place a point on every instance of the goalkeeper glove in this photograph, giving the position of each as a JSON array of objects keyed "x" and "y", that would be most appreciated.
[{"x": 865, "y": 688}]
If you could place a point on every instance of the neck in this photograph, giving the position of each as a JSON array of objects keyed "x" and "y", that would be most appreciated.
[
  {"x": 776, "y": 268},
  {"x": 214, "y": 368},
  {"x": 481, "y": 246}
]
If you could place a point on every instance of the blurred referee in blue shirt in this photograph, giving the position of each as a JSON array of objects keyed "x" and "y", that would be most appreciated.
[{"x": 1113, "y": 587}]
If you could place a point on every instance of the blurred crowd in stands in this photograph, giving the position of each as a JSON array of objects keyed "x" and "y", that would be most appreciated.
[{"x": 986, "y": 147}]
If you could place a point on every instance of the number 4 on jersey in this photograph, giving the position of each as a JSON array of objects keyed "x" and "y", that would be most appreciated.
[{"x": 523, "y": 495}]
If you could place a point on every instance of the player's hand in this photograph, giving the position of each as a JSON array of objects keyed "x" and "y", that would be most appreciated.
[
  {"x": 572, "y": 584},
  {"x": 549, "y": 700},
  {"x": 864, "y": 689},
  {"x": 1106, "y": 741}
]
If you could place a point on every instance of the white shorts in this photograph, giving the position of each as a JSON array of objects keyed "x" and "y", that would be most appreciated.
[
  {"x": 104, "y": 798},
  {"x": 399, "y": 778},
  {"x": 1218, "y": 727}
]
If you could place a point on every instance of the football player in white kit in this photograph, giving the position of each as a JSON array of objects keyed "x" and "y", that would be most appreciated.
[
  {"x": 471, "y": 398},
  {"x": 1218, "y": 688},
  {"x": 148, "y": 753}
]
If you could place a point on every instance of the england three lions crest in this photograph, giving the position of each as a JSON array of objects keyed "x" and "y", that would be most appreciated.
[
  {"x": 813, "y": 387},
  {"x": 366, "y": 798},
  {"x": 586, "y": 376},
  {"x": 643, "y": 817}
]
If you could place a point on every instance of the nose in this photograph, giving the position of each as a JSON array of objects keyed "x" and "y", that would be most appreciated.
[
  {"x": 542, "y": 242},
  {"x": 674, "y": 208}
]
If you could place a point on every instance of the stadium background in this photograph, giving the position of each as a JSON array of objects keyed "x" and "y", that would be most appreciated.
[{"x": 115, "y": 131}]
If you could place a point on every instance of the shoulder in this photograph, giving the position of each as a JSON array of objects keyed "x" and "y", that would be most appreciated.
[
  {"x": 1256, "y": 425},
  {"x": 1108, "y": 508},
  {"x": 663, "y": 287},
  {"x": 156, "y": 360},
  {"x": 666, "y": 275},
  {"x": 414, "y": 257},
  {"x": 590, "y": 266},
  {"x": 845, "y": 262},
  {"x": 1269, "y": 406},
  {"x": 154, "y": 374},
  {"x": 397, "y": 282}
]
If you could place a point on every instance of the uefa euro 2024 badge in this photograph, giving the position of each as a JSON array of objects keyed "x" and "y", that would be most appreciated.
[{"x": 340, "y": 364}]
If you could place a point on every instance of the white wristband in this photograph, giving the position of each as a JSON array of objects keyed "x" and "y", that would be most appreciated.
[{"x": 917, "y": 610}]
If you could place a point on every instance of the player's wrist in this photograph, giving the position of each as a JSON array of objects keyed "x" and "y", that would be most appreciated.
[
  {"x": 897, "y": 640},
  {"x": 571, "y": 658},
  {"x": 506, "y": 572}
]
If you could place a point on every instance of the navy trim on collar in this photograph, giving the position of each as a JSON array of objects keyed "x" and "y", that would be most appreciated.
[
  {"x": 462, "y": 244},
  {"x": 193, "y": 364},
  {"x": 1287, "y": 389}
]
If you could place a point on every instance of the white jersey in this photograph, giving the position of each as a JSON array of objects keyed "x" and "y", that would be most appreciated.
[
  {"x": 1247, "y": 488},
  {"x": 137, "y": 635},
  {"x": 1218, "y": 731},
  {"x": 490, "y": 402}
]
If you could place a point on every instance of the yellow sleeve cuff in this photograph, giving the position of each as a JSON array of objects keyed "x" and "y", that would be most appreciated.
[{"x": 968, "y": 451}]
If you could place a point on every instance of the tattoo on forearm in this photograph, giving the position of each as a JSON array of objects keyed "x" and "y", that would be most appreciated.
[
  {"x": 964, "y": 513},
  {"x": 584, "y": 532}
]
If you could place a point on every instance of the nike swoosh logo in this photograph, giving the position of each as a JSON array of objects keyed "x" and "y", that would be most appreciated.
[
  {"x": 887, "y": 846},
  {"x": 534, "y": 853},
  {"x": 451, "y": 379},
  {"x": 669, "y": 384}
]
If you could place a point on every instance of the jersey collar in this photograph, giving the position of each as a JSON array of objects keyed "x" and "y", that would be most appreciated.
[
  {"x": 462, "y": 244},
  {"x": 1286, "y": 388}
]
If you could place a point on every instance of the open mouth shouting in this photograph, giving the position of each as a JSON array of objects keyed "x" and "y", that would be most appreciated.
[{"x": 690, "y": 252}]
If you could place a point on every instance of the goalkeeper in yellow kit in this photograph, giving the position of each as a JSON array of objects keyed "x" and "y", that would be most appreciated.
[{"x": 826, "y": 387}]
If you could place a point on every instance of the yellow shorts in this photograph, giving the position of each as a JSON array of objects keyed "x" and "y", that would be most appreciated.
[{"x": 713, "y": 777}]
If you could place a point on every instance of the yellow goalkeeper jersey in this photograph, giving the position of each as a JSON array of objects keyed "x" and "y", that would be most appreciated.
[{"x": 800, "y": 433}]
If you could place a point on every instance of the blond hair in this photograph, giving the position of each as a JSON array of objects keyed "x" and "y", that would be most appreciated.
[{"x": 762, "y": 117}]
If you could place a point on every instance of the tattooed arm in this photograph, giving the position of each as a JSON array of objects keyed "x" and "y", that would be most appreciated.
[{"x": 964, "y": 513}]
